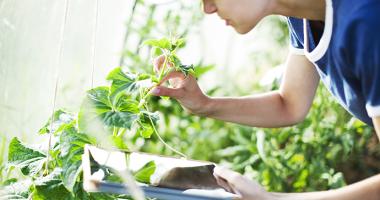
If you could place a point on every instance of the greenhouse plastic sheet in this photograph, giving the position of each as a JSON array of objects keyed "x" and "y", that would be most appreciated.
[{"x": 172, "y": 179}]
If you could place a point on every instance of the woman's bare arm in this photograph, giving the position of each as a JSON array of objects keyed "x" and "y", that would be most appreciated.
[{"x": 287, "y": 106}]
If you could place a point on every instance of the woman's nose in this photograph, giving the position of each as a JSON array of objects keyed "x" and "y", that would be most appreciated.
[{"x": 209, "y": 6}]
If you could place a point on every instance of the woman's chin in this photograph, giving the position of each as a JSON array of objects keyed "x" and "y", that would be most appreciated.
[{"x": 242, "y": 30}]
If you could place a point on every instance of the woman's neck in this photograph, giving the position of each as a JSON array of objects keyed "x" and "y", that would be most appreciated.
[{"x": 309, "y": 9}]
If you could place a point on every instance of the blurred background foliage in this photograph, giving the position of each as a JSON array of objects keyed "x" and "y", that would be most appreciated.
[{"x": 329, "y": 149}]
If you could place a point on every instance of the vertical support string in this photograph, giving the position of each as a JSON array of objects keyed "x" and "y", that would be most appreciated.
[
  {"x": 94, "y": 39},
  {"x": 127, "y": 31},
  {"x": 56, "y": 78}
]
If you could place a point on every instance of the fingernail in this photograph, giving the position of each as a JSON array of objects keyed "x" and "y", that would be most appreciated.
[{"x": 155, "y": 91}]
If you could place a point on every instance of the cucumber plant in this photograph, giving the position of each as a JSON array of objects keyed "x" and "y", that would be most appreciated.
[
  {"x": 124, "y": 105},
  {"x": 121, "y": 107}
]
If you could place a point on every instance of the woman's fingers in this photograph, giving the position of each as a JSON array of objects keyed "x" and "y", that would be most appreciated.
[
  {"x": 175, "y": 78},
  {"x": 169, "y": 92},
  {"x": 240, "y": 185},
  {"x": 158, "y": 63},
  {"x": 223, "y": 183},
  {"x": 230, "y": 176}
]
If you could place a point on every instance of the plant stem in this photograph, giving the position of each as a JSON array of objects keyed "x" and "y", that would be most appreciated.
[
  {"x": 144, "y": 96},
  {"x": 115, "y": 131},
  {"x": 160, "y": 77},
  {"x": 159, "y": 137},
  {"x": 163, "y": 68},
  {"x": 30, "y": 197},
  {"x": 122, "y": 132}
]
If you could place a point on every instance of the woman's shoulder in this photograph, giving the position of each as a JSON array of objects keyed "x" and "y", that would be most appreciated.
[
  {"x": 355, "y": 12},
  {"x": 357, "y": 31},
  {"x": 355, "y": 18}
]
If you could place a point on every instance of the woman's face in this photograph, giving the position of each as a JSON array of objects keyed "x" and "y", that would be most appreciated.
[{"x": 242, "y": 15}]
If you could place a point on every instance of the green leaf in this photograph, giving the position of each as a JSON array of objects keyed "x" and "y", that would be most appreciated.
[
  {"x": 60, "y": 121},
  {"x": 9, "y": 181},
  {"x": 99, "y": 99},
  {"x": 119, "y": 119},
  {"x": 187, "y": 69},
  {"x": 17, "y": 190},
  {"x": 145, "y": 128},
  {"x": 163, "y": 43},
  {"x": 51, "y": 187},
  {"x": 166, "y": 44},
  {"x": 72, "y": 145},
  {"x": 176, "y": 61},
  {"x": 143, "y": 175},
  {"x": 98, "y": 108},
  {"x": 29, "y": 160},
  {"x": 155, "y": 52},
  {"x": 126, "y": 104},
  {"x": 179, "y": 43},
  {"x": 121, "y": 82},
  {"x": 201, "y": 70},
  {"x": 126, "y": 83},
  {"x": 152, "y": 115}
]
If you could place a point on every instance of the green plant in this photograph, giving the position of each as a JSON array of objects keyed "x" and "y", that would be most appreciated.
[
  {"x": 124, "y": 104},
  {"x": 119, "y": 108},
  {"x": 62, "y": 180}
]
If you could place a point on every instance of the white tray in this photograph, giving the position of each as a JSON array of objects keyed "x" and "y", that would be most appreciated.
[{"x": 117, "y": 161}]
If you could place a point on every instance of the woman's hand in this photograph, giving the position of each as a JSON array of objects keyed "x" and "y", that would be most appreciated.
[
  {"x": 183, "y": 88},
  {"x": 236, "y": 183}
]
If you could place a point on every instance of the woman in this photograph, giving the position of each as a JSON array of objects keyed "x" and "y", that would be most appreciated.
[{"x": 335, "y": 41}]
